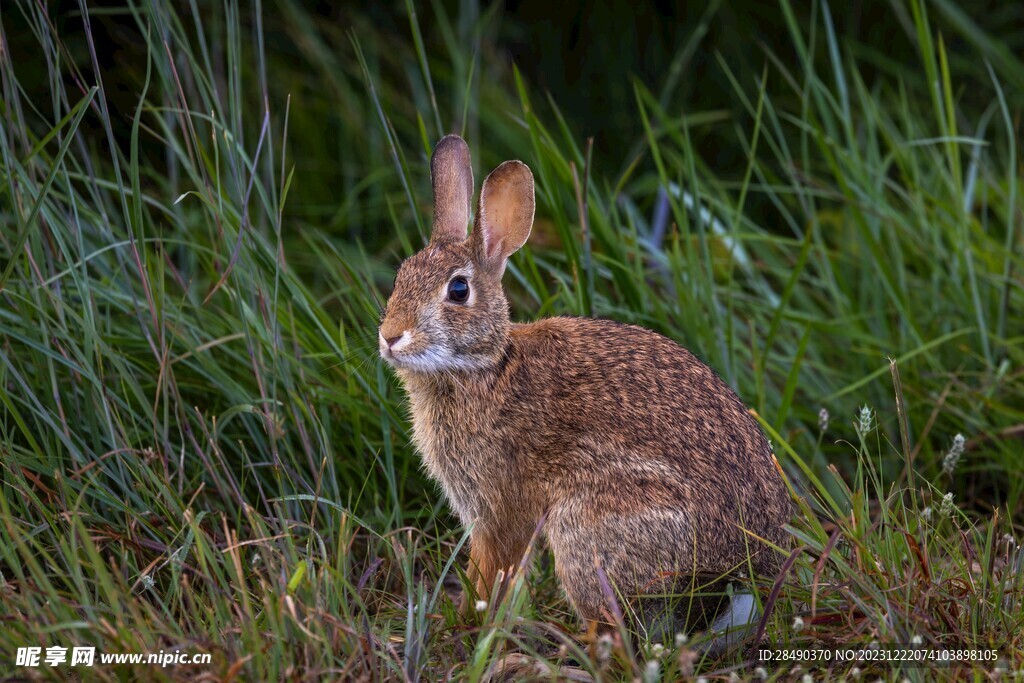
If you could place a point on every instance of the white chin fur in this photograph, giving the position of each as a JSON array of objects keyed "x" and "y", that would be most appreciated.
[{"x": 434, "y": 359}]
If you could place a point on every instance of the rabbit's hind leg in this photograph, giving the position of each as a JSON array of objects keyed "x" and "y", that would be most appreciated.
[
  {"x": 493, "y": 557},
  {"x": 611, "y": 562}
]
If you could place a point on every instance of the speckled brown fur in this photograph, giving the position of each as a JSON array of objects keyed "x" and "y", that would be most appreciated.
[{"x": 637, "y": 456}]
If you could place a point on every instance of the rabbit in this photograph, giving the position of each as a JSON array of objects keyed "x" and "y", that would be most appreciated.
[{"x": 639, "y": 466}]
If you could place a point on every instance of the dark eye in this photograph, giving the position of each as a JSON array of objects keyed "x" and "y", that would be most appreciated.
[{"x": 458, "y": 290}]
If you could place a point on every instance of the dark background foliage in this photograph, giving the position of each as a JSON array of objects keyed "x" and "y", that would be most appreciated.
[{"x": 584, "y": 53}]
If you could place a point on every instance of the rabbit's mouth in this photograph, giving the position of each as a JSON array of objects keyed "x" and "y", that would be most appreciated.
[{"x": 402, "y": 354}]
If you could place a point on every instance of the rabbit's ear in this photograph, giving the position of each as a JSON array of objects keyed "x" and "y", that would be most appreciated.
[
  {"x": 505, "y": 216},
  {"x": 451, "y": 176}
]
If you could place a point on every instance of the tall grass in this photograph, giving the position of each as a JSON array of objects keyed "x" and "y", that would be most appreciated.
[{"x": 200, "y": 451}]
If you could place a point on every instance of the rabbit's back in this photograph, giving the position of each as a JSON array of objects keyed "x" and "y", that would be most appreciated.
[{"x": 637, "y": 422}]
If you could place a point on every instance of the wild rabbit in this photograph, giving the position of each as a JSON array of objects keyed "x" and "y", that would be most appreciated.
[{"x": 633, "y": 457}]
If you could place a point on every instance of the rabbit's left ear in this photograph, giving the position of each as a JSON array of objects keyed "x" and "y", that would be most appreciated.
[
  {"x": 451, "y": 177},
  {"x": 505, "y": 216}
]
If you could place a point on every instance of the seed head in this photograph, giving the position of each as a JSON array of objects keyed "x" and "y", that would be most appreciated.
[
  {"x": 865, "y": 419},
  {"x": 604, "y": 648},
  {"x": 652, "y": 671},
  {"x": 949, "y": 462},
  {"x": 948, "y": 506}
]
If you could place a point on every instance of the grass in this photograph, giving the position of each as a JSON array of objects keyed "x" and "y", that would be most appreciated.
[{"x": 199, "y": 450}]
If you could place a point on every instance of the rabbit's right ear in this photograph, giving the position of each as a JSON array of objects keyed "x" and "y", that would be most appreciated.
[
  {"x": 451, "y": 176},
  {"x": 505, "y": 216}
]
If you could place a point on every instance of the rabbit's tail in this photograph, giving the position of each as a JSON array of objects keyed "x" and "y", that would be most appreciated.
[{"x": 732, "y": 626}]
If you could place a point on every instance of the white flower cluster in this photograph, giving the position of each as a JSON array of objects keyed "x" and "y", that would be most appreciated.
[
  {"x": 652, "y": 672},
  {"x": 948, "y": 506},
  {"x": 952, "y": 457},
  {"x": 865, "y": 419}
]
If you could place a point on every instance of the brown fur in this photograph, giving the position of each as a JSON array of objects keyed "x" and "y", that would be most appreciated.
[{"x": 638, "y": 458}]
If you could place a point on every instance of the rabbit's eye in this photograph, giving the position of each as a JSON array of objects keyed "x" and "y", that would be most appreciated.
[{"x": 458, "y": 290}]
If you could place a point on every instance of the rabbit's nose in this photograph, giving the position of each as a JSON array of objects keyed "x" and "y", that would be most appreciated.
[{"x": 393, "y": 343}]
